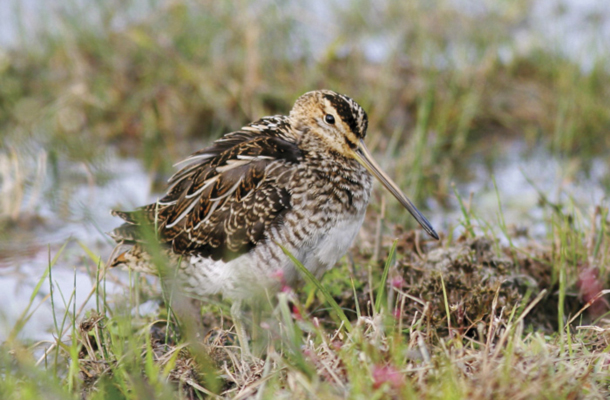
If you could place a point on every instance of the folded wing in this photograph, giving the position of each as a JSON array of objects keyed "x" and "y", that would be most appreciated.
[{"x": 223, "y": 201}]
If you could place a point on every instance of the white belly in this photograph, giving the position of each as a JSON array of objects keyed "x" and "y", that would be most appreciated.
[
  {"x": 251, "y": 275},
  {"x": 329, "y": 248}
]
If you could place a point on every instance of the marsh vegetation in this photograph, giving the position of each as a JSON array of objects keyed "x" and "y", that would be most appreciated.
[{"x": 495, "y": 127}]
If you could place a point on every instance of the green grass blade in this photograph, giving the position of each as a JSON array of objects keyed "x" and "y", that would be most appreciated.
[
  {"x": 358, "y": 313},
  {"x": 331, "y": 301},
  {"x": 24, "y": 317},
  {"x": 384, "y": 278},
  {"x": 94, "y": 257},
  {"x": 465, "y": 212},
  {"x": 446, "y": 302}
]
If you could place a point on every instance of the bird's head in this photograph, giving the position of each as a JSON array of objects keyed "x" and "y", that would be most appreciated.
[
  {"x": 339, "y": 126},
  {"x": 337, "y": 122}
]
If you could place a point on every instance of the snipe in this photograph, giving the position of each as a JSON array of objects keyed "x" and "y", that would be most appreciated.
[{"x": 303, "y": 181}]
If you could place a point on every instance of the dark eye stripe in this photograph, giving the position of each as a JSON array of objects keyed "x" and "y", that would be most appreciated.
[{"x": 350, "y": 113}]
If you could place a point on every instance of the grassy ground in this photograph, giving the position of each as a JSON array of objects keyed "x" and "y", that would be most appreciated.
[
  {"x": 463, "y": 318},
  {"x": 467, "y": 317}
]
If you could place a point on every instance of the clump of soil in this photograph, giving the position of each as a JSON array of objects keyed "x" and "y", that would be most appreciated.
[
  {"x": 481, "y": 280},
  {"x": 477, "y": 282}
]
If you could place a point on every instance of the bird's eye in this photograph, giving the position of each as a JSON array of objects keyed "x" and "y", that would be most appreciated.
[{"x": 329, "y": 119}]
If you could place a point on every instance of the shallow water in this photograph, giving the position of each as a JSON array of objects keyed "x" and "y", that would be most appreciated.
[
  {"x": 66, "y": 213},
  {"x": 521, "y": 174}
]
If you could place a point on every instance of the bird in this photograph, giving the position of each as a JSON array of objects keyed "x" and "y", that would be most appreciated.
[{"x": 297, "y": 183}]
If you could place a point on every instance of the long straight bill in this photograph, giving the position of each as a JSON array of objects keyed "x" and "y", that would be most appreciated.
[{"x": 364, "y": 157}]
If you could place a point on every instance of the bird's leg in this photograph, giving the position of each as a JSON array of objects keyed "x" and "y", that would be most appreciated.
[
  {"x": 188, "y": 312},
  {"x": 260, "y": 336},
  {"x": 256, "y": 320},
  {"x": 238, "y": 321}
]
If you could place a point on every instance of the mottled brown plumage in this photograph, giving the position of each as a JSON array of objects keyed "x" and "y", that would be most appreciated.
[
  {"x": 301, "y": 181},
  {"x": 220, "y": 205}
]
